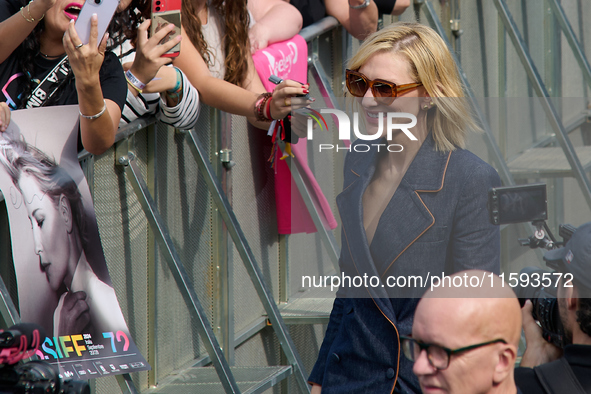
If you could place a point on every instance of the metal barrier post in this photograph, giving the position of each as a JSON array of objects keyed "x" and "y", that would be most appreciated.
[
  {"x": 7, "y": 307},
  {"x": 502, "y": 167},
  {"x": 326, "y": 235},
  {"x": 541, "y": 91},
  {"x": 567, "y": 29},
  {"x": 182, "y": 278},
  {"x": 249, "y": 260}
]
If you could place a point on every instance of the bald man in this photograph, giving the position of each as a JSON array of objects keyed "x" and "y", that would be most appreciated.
[{"x": 470, "y": 334}]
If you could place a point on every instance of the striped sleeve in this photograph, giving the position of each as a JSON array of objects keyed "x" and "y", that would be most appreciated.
[
  {"x": 184, "y": 115},
  {"x": 136, "y": 107}
]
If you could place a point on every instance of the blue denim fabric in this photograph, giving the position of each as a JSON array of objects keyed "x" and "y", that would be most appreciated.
[{"x": 436, "y": 222}]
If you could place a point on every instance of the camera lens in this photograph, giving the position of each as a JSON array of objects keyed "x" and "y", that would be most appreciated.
[{"x": 98, "y": 1}]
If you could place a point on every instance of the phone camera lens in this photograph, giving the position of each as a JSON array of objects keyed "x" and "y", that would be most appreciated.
[
  {"x": 157, "y": 9},
  {"x": 158, "y": 3},
  {"x": 98, "y": 1}
]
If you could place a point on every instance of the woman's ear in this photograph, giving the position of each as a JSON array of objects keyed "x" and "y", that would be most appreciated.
[{"x": 65, "y": 212}]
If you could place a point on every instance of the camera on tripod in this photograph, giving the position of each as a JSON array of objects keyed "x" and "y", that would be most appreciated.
[
  {"x": 528, "y": 203},
  {"x": 20, "y": 342}
]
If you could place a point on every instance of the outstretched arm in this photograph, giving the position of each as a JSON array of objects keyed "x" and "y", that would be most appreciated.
[
  {"x": 228, "y": 97},
  {"x": 20, "y": 24},
  {"x": 360, "y": 23},
  {"x": 275, "y": 20},
  {"x": 400, "y": 6}
]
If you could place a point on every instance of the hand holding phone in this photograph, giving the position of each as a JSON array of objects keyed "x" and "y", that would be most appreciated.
[
  {"x": 165, "y": 12},
  {"x": 149, "y": 53}
]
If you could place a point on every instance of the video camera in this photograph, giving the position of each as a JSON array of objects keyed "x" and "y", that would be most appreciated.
[
  {"x": 19, "y": 342},
  {"x": 528, "y": 203}
]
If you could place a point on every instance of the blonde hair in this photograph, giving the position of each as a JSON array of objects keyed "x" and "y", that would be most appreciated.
[{"x": 431, "y": 64}]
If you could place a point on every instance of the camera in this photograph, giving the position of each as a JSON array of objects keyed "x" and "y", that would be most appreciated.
[
  {"x": 528, "y": 203},
  {"x": 545, "y": 307},
  {"x": 38, "y": 377}
]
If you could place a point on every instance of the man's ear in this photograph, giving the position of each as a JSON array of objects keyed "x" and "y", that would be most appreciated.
[
  {"x": 505, "y": 364},
  {"x": 65, "y": 212}
]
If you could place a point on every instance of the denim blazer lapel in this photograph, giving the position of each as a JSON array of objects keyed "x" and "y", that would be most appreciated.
[
  {"x": 407, "y": 217},
  {"x": 404, "y": 220}
]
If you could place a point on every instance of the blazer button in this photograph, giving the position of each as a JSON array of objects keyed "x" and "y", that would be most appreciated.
[
  {"x": 337, "y": 359},
  {"x": 390, "y": 373}
]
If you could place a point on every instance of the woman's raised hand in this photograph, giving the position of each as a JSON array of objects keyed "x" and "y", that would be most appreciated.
[
  {"x": 148, "y": 56},
  {"x": 85, "y": 60}
]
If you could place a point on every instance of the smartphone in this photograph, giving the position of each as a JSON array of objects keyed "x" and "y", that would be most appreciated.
[
  {"x": 517, "y": 204},
  {"x": 163, "y": 13},
  {"x": 104, "y": 9}
]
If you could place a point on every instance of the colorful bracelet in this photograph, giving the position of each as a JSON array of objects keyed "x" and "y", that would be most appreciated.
[
  {"x": 178, "y": 87},
  {"x": 134, "y": 82},
  {"x": 91, "y": 117},
  {"x": 260, "y": 107}
]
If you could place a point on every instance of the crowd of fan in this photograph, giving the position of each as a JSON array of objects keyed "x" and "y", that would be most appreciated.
[{"x": 214, "y": 66}]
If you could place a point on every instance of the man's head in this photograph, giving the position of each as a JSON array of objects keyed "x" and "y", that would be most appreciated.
[
  {"x": 574, "y": 290},
  {"x": 459, "y": 317}
]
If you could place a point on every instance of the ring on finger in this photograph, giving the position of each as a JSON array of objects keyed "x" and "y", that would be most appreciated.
[
  {"x": 79, "y": 46},
  {"x": 285, "y": 104}
]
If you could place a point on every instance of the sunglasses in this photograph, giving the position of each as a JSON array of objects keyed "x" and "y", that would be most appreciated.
[{"x": 385, "y": 92}]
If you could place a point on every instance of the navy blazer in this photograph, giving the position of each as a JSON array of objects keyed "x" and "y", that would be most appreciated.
[{"x": 436, "y": 222}]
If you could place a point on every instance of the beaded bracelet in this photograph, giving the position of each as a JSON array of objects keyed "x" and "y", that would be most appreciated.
[
  {"x": 91, "y": 117},
  {"x": 260, "y": 107}
]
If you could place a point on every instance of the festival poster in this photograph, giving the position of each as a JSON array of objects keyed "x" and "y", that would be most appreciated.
[{"x": 63, "y": 281}]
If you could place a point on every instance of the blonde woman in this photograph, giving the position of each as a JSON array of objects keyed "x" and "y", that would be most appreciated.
[{"x": 410, "y": 212}]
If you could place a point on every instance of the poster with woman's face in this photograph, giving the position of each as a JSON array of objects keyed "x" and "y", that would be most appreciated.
[{"x": 63, "y": 281}]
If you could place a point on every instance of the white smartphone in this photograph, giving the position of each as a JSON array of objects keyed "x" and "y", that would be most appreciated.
[{"x": 104, "y": 9}]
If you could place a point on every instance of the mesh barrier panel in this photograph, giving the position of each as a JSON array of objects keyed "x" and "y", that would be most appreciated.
[
  {"x": 123, "y": 229},
  {"x": 253, "y": 201},
  {"x": 185, "y": 205}
]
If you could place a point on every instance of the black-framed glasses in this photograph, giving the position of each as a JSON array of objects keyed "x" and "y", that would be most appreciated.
[
  {"x": 438, "y": 356},
  {"x": 384, "y": 91}
]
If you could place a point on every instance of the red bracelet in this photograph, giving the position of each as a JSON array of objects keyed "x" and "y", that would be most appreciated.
[
  {"x": 268, "y": 109},
  {"x": 260, "y": 107}
]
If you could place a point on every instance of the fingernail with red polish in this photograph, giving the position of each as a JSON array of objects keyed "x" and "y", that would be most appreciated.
[{"x": 306, "y": 91}]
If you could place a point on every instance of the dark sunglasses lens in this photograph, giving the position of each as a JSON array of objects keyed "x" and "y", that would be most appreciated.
[
  {"x": 357, "y": 85},
  {"x": 383, "y": 90}
]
